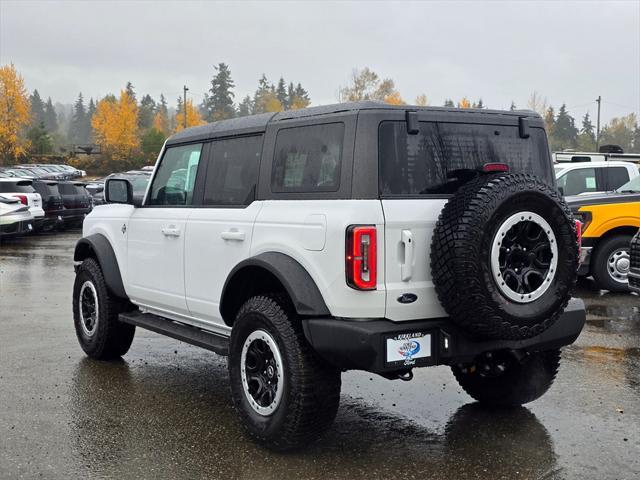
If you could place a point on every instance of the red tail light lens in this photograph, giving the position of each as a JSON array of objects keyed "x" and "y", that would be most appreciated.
[
  {"x": 579, "y": 236},
  {"x": 361, "y": 257},
  {"x": 22, "y": 198}
]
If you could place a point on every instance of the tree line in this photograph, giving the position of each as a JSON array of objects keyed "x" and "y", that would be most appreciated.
[{"x": 130, "y": 131}]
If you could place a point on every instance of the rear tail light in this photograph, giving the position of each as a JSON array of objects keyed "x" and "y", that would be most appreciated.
[
  {"x": 579, "y": 237},
  {"x": 22, "y": 198},
  {"x": 361, "y": 257}
]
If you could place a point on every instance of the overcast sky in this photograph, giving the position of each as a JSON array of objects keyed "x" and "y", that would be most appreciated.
[{"x": 500, "y": 51}]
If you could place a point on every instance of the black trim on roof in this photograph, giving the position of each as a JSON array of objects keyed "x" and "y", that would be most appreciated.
[{"x": 258, "y": 123}]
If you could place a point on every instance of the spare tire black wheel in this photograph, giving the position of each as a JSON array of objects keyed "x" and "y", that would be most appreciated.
[{"x": 504, "y": 256}]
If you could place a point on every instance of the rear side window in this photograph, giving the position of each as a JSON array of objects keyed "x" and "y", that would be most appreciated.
[
  {"x": 308, "y": 159},
  {"x": 578, "y": 181},
  {"x": 616, "y": 177},
  {"x": 175, "y": 178},
  {"x": 425, "y": 163},
  {"x": 232, "y": 172},
  {"x": 16, "y": 187}
]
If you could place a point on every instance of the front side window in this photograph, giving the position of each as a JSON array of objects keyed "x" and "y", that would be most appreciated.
[
  {"x": 308, "y": 159},
  {"x": 426, "y": 163},
  {"x": 232, "y": 173},
  {"x": 176, "y": 176},
  {"x": 578, "y": 181}
]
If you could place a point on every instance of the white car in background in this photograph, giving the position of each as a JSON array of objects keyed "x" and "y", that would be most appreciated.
[
  {"x": 593, "y": 177},
  {"x": 23, "y": 190},
  {"x": 15, "y": 218}
]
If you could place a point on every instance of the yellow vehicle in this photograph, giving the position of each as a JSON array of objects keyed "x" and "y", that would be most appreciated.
[{"x": 609, "y": 222}]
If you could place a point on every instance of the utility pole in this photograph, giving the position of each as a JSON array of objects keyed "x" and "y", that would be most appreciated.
[
  {"x": 184, "y": 106},
  {"x": 598, "y": 101}
]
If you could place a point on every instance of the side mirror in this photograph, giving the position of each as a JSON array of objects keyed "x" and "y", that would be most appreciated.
[{"x": 118, "y": 190}]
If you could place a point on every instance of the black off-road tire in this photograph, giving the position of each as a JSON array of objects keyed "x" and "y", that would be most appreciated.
[
  {"x": 523, "y": 381},
  {"x": 600, "y": 266},
  {"x": 461, "y": 256},
  {"x": 110, "y": 338},
  {"x": 311, "y": 388}
]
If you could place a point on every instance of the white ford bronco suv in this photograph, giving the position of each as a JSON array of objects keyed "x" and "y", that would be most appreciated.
[{"x": 356, "y": 236}]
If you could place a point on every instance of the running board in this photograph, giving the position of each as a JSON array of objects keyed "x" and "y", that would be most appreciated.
[{"x": 179, "y": 331}]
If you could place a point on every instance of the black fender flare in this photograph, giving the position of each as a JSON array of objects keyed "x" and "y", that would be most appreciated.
[
  {"x": 98, "y": 246},
  {"x": 301, "y": 288}
]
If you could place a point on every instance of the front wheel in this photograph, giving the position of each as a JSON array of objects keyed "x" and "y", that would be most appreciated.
[
  {"x": 95, "y": 315},
  {"x": 285, "y": 394},
  {"x": 501, "y": 379}
]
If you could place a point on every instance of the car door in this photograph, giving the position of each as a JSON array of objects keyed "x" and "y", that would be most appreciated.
[
  {"x": 156, "y": 233},
  {"x": 219, "y": 233}
]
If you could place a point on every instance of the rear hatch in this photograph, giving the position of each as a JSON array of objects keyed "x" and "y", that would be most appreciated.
[
  {"x": 74, "y": 196},
  {"x": 416, "y": 179},
  {"x": 51, "y": 198},
  {"x": 24, "y": 191}
]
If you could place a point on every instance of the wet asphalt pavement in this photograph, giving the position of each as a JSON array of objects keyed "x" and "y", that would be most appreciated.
[{"x": 165, "y": 411}]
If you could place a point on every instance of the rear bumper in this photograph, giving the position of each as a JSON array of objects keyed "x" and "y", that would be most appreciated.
[
  {"x": 16, "y": 228},
  {"x": 360, "y": 344}
]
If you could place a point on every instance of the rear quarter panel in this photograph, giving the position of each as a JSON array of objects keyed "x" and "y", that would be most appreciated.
[{"x": 313, "y": 233}]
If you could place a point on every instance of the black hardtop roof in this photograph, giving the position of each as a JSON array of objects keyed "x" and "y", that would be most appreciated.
[{"x": 258, "y": 123}]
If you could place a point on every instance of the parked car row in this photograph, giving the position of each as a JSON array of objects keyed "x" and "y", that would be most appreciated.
[
  {"x": 43, "y": 171},
  {"x": 605, "y": 197},
  {"x": 52, "y": 205},
  {"x": 32, "y": 203}
]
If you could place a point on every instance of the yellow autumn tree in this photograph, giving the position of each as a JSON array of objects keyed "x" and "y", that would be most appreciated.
[
  {"x": 161, "y": 122},
  {"x": 394, "y": 98},
  {"x": 193, "y": 117},
  {"x": 115, "y": 128},
  {"x": 15, "y": 114},
  {"x": 464, "y": 103}
]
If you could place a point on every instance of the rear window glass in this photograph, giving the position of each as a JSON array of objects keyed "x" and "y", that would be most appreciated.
[
  {"x": 425, "y": 163},
  {"x": 308, "y": 159},
  {"x": 16, "y": 187},
  {"x": 67, "y": 188}
]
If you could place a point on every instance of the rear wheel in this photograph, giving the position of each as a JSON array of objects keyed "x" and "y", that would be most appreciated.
[
  {"x": 285, "y": 394},
  {"x": 95, "y": 314},
  {"x": 501, "y": 379},
  {"x": 611, "y": 262}
]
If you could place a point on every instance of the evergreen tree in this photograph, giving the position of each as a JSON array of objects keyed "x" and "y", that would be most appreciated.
[
  {"x": 565, "y": 131},
  {"x": 291, "y": 93},
  {"x": 587, "y": 139},
  {"x": 131, "y": 92},
  {"x": 220, "y": 102},
  {"x": 479, "y": 104},
  {"x": 37, "y": 109},
  {"x": 449, "y": 103},
  {"x": 146, "y": 112},
  {"x": 245, "y": 107},
  {"x": 264, "y": 96},
  {"x": 281, "y": 94},
  {"x": 50, "y": 117},
  {"x": 300, "y": 98},
  {"x": 513, "y": 106},
  {"x": 78, "y": 132},
  {"x": 39, "y": 139}
]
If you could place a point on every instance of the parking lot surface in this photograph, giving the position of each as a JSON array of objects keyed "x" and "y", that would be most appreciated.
[{"x": 165, "y": 410}]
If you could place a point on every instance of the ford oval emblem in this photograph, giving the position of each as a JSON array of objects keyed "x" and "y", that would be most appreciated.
[{"x": 407, "y": 298}]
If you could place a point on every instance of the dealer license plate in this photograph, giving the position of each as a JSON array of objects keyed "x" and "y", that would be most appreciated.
[{"x": 407, "y": 348}]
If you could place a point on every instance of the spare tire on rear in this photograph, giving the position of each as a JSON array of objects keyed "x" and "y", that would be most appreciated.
[{"x": 504, "y": 256}]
